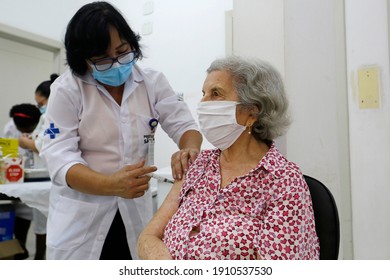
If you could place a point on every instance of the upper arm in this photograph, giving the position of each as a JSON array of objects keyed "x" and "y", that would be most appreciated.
[
  {"x": 169, "y": 106},
  {"x": 162, "y": 216},
  {"x": 60, "y": 140}
]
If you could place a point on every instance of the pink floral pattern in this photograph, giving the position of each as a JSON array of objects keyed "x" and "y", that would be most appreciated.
[{"x": 267, "y": 212}]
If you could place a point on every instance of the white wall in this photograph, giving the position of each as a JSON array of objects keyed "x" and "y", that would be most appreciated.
[
  {"x": 367, "y": 45},
  {"x": 316, "y": 81},
  {"x": 47, "y": 18},
  {"x": 258, "y": 30},
  {"x": 17, "y": 62}
]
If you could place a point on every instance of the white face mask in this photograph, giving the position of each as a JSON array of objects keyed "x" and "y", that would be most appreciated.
[{"x": 217, "y": 121}]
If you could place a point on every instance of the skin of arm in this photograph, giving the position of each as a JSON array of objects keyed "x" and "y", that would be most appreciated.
[
  {"x": 150, "y": 244},
  {"x": 189, "y": 146},
  {"x": 129, "y": 182},
  {"x": 26, "y": 142}
]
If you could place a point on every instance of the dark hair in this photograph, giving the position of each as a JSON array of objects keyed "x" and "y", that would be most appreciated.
[
  {"x": 88, "y": 34},
  {"x": 44, "y": 88},
  {"x": 26, "y": 116}
]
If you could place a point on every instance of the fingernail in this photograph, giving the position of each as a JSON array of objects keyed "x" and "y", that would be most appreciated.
[
  {"x": 179, "y": 176},
  {"x": 185, "y": 170}
]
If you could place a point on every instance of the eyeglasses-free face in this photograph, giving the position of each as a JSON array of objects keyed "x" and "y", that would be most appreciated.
[{"x": 106, "y": 63}]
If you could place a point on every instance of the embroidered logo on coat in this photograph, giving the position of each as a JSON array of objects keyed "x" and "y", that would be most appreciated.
[{"x": 52, "y": 131}]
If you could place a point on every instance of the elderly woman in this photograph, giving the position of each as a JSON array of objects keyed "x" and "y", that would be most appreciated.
[{"x": 243, "y": 200}]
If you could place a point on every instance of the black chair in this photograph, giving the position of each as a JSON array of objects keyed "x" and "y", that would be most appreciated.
[{"x": 326, "y": 219}]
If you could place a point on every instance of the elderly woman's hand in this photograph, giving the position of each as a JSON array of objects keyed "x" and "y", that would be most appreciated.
[{"x": 181, "y": 160}]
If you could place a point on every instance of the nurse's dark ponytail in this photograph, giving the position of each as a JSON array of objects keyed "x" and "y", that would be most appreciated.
[{"x": 44, "y": 88}]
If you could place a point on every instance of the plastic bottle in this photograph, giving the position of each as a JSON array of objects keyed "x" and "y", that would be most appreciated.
[
  {"x": 2, "y": 167},
  {"x": 29, "y": 159}
]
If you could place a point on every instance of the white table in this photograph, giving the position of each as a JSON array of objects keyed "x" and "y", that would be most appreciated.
[
  {"x": 163, "y": 188},
  {"x": 34, "y": 194}
]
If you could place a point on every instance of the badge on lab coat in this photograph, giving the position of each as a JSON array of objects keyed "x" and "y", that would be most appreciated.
[{"x": 149, "y": 140}]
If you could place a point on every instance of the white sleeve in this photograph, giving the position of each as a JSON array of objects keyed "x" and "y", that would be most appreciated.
[
  {"x": 39, "y": 132},
  {"x": 175, "y": 116},
  {"x": 10, "y": 130},
  {"x": 60, "y": 147}
]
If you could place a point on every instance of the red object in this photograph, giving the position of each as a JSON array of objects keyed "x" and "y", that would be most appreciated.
[{"x": 14, "y": 173}]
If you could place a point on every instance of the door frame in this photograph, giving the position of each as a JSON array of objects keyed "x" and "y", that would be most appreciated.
[{"x": 37, "y": 41}]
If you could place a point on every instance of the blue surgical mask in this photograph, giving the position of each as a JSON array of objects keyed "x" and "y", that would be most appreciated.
[
  {"x": 115, "y": 76},
  {"x": 43, "y": 109}
]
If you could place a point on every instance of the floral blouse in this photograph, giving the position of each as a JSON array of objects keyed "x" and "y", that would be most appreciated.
[{"x": 267, "y": 212}]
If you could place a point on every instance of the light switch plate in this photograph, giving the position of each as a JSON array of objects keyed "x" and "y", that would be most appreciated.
[
  {"x": 148, "y": 8},
  {"x": 368, "y": 86},
  {"x": 147, "y": 28}
]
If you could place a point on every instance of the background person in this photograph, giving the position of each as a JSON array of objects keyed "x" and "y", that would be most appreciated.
[
  {"x": 242, "y": 200},
  {"x": 100, "y": 126},
  {"x": 33, "y": 142},
  {"x": 25, "y": 117},
  {"x": 42, "y": 94}
]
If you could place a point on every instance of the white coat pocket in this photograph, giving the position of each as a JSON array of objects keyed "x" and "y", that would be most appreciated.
[{"x": 73, "y": 219}]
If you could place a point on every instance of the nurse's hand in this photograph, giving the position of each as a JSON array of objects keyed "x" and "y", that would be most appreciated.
[
  {"x": 26, "y": 142},
  {"x": 132, "y": 180},
  {"x": 181, "y": 160}
]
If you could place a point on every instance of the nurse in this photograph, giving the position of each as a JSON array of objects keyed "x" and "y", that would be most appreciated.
[{"x": 100, "y": 124}]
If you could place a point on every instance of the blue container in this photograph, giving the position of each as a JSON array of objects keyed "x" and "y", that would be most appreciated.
[{"x": 7, "y": 220}]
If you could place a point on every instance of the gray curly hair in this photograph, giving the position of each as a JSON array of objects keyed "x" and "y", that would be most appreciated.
[{"x": 258, "y": 86}]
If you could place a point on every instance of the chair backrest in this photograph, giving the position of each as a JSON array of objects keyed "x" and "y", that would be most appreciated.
[{"x": 326, "y": 219}]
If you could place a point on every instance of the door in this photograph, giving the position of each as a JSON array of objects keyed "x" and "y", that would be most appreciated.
[{"x": 24, "y": 65}]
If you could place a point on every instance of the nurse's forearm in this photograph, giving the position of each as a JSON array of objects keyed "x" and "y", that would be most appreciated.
[
  {"x": 152, "y": 248},
  {"x": 191, "y": 139},
  {"x": 129, "y": 182},
  {"x": 85, "y": 180}
]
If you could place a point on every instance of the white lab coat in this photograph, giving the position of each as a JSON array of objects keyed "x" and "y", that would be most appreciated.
[
  {"x": 95, "y": 131},
  {"x": 10, "y": 130}
]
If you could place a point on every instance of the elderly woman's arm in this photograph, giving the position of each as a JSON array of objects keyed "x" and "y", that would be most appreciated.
[{"x": 150, "y": 244}]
